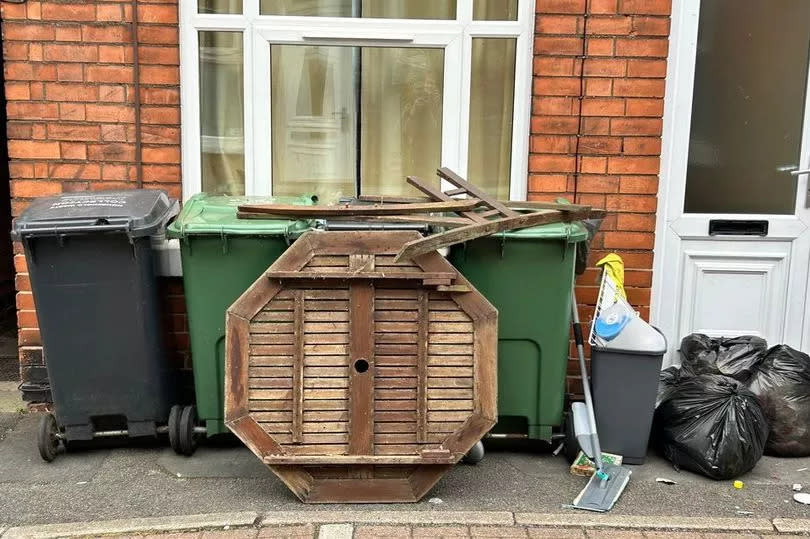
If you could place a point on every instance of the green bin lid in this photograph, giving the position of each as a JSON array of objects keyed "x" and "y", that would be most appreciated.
[
  {"x": 571, "y": 232},
  {"x": 205, "y": 214}
]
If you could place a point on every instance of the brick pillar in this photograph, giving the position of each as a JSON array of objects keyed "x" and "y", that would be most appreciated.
[
  {"x": 619, "y": 120},
  {"x": 71, "y": 110}
]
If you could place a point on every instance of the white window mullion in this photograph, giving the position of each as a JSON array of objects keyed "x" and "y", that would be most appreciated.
[
  {"x": 261, "y": 182},
  {"x": 454, "y": 122},
  {"x": 190, "y": 98},
  {"x": 521, "y": 126},
  {"x": 249, "y": 106}
]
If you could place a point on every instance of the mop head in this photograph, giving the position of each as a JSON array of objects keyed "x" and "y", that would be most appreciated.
[{"x": 601, "y": 494}]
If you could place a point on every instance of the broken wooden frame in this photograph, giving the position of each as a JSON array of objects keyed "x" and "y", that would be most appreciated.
[{"x": 356, "y": 378}]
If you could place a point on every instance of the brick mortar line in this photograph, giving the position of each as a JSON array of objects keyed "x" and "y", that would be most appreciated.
[{"x": 218, "y": 521}]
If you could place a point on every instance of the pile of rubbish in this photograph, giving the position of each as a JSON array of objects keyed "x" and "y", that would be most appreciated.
[{"x": 731, "y": 401}]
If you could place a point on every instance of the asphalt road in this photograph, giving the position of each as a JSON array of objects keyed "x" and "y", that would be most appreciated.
[{"x": 153, "y": 481}]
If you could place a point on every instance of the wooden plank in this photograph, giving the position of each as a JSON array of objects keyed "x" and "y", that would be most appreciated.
[
  {"x": 448, "y": 316},
  {"x": 271, "y": 361},
  {"x": 326, "y": 383},
  {"x": 348, "y": 275},
  {"x": 361, "y": 262},
  {"x": 270, "y": 406},
  {"x": 361, "y": 370},
  {"x": 395, "y": 338},
  {"x": 449, "y": 349},
  {"x": 237, "y": 337},
  {"x": 475, "y": 191},
  {"x": 513, "y": 204},
  {"x": 396, "y": 405},
  {"x": 327, "y": 416},
  {"x": 254, "y": 436},
  {"x": 451, "y": 338},
  {"x": 326, "y": 327},
  {"x": 334, "y": 404},
  {"x": 426, "y": 219},
  {"x": 272, "y": 349},
  {"x": 395, "y": 316},
  {"x": 421, "y": 366},
  {"x": 298, "y": 369},
  {"x": 276, "y": 328},
  {"x": 326, "y": 338},
  {"x": 421, "y": 246},
  {"x": 450, "y": 383},
  {"x": 437, "y": 194},
  {"x": 444, "y": 393},
  {"x": 450, "y": 372},
  {"x": 486, "y": 366},
  {"x": 327, "y": 305},
  {"x": 291, "y": 210},
  {"x": 272, "y": 338},
  {"x": 270, "y": 383},
  {"x": 402, "y": 427},
  {"x": 398, "y": 304},
  {"x": 330, "y": 261},
  {"x": 451, "y": 327}
]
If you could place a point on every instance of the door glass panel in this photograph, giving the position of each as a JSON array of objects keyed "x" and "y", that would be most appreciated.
[
  {"x": 383, "y": 9},
  {"x": 495, "y": 10},
  {"x": 222, "y": 113},
  {"x": 219, "y": 6},
  {"x": 323, "y": 96},
  {"x": 492, "y": 98},
  {"x": 748, "y": 105}
]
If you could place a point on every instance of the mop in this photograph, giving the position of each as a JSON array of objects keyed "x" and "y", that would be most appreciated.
[{"x": 609, "y": 480}]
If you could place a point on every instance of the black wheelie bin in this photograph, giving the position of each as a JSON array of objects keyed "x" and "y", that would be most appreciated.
[{"x": 90, "y": 262}]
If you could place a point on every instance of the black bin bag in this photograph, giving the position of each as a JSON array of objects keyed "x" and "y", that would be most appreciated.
[
  {"x": 782, "y": 384},
  {"x": 737, "y": 357},
  {"x": 710, "y": 424}
]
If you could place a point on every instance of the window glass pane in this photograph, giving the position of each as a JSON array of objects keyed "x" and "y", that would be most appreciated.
[
  {"x": 401, "y": 128},
  {"x": 219, "y": 6},
  {"x": 222, "y": 112},
  {"x": 314, "y": 121},
  {"x": 492, "y": 98},
  {"x": 385, "y": 9},
  {"x": 495, "y": 10},
  {"x": 748, "y": 105},
  {"x": 323, "y": 96}
]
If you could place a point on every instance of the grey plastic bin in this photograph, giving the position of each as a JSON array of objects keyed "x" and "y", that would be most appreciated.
[
  {"x": 90, "y": 262},
  {"x": 625, "y": 384}
]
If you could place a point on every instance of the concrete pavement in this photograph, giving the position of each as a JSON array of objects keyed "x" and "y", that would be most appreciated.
[{"x": 153, "y": 482}]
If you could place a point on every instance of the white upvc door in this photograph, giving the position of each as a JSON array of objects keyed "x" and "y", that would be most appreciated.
[{"x": 733, "y": 231}]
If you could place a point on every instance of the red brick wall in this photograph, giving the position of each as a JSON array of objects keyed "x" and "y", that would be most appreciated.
[
  {"x": 71, "y": 115},
  {"x": 71, "y": 106},
  {"x": 619, "y": 121}
]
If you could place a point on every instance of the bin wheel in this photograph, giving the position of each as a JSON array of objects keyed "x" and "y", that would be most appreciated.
[
  {"x": 48, "y": 437},
  {"x": 475, "y": 455},
  {"x": 187, "y": 438},
  {"x": 571, "y": 446},
  {"x": 174, "y": 428}
]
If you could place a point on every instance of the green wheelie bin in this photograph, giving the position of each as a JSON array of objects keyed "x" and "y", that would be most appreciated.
[
  {"x": 527, "y": 274},
  {"x": 221, "y": 256}
]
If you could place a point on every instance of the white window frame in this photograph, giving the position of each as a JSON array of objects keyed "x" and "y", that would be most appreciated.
[{"x": 260, "y": 31}]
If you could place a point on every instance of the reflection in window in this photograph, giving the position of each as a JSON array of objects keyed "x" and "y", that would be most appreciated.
[
  {"x": 218, "y": 6},
  {"x": 495, "y": 10},
  {"x": 749, "y": 95},
  {"x": 383, "y": 9},
  {"x": 323, "y": 96},
  {"x": 222, "y": 113},
  {"x": 492, "y": 98}
]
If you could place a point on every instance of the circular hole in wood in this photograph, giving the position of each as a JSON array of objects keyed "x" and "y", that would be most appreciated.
[{"x": 361, "y": 365}]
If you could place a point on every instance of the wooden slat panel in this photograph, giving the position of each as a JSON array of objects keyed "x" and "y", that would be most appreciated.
[
  {"x": 450, "y": 338},
  {"x": 386, "y": 416},
  {"x": 395, "y": 361},
  {"x": 270, "y": 383},
  {"x": 325, "y": 372},
  {"x": 270, "y": 372},
  {"x": 450, "y": 349},
  {"x": 396, "y": 349},
  {"x": 395, "y": 383},
  {"x": 324, "y": 394},
  {"x": 326, "y": 361},
  {"x": 382, "y": 293},
  {"x": 466, "y": 405},
  {"x": 397, "y": 327},
  {"x": 272, "y": 338},
  {"x": 334, "y": 404},
  {"x": 274, "y": 316},
  {"x": 443, "y": 305},
  {"x": 326, "y": 338},
  {"x": 326, "y": 327},
  {"x": 444, "y": 393},
  {"x": 323, "y": 449},
  {"x": 278, "y": 327},
  {"x": 336, "y": 260},
  {"x": 450, "y": 372},
  {"x": 422, "y": 368},
  {"x": 326, "y": 383},
  {"x": 395, "y": 316},
  {"x": 404, "y": 427},
  {"x": 269, "y": 405},
  {"x": 327, "y": 416},
  {"x": 396, "y": 394},
  {"x": 451, "y": 327},
  {"x": 272, "y": 349},
  {"x": 269, "y": 394},
  {"x": 326, "y": 294},
  {"x": 270, "y": 361},
  {"x": 361, "y": 384},
  {"x": 443, "y": 416},
  {"x": 450, "y": 361},
  {"x": 326, "y": 316},
  {"x": 450, "y": 383},
  {"x": 276, "y": 304},
  {"x": 398, "y": 304},
  {"x": 395, "y": 438},
  {"x": 449, "y": 316},
  {"x": 395, "y": 405},
  {"x": 396, "y": 372},
  {"x": 395, "y": 338}
]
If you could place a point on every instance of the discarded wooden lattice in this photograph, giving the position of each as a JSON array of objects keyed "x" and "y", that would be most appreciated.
[
  {"x": 478, "y": 213},
  {"x": 356, "y": 378}
]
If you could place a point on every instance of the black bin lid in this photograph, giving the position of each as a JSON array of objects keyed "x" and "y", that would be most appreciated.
[{"x": 137, "y": 212}]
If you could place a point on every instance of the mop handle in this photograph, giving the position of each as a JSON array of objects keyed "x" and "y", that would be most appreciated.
[{"x": 586, "y": 385}]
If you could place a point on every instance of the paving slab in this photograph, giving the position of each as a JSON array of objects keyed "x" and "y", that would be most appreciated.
[
  {"x": 595, "y": 520},
  {"x": 135, "y": 525},
  {"x": 413, "y": 517},
  {"x": 792, "y": 525},
  {"x": 336, "y": 531}
]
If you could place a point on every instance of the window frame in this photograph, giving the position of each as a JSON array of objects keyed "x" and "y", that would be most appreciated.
[{"x": 259, "y": 31}]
